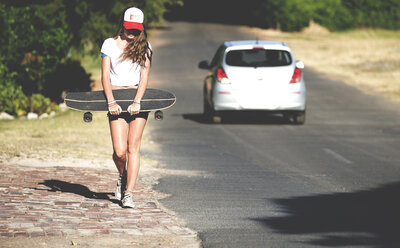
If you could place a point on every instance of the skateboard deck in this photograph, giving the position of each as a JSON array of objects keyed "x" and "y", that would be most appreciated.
[{"x": 153, "y": 100}]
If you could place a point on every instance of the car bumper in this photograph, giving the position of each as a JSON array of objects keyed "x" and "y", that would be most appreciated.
[{"x": 288, "y": 100}]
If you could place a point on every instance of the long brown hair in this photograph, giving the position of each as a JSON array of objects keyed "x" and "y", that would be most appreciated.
[{"x": 138, "y": 49}]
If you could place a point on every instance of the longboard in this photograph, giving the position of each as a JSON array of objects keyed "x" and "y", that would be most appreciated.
[{"x": 153, "y": 100}]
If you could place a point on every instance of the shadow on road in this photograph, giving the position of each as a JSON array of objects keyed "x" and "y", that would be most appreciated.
[
  {"x": 78, "y": 189},
  {"x": 240, "y": 118},
  {"x": 362, "y": 218}
]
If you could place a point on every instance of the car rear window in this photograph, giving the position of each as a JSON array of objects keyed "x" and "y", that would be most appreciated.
[{"x": 258, "y": 58}]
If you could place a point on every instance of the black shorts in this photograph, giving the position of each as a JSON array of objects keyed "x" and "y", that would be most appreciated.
[{"x": 127, "y": 116}]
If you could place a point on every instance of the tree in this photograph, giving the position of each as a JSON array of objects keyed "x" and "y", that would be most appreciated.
[{"x": 35, "y": 41}]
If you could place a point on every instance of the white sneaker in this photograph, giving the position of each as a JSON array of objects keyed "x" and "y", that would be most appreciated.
[
  {"x": 121, "y": 184},
  {"x": 127, "y": 202}
]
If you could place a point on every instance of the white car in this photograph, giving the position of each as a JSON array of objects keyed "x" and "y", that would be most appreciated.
[{"x": 254, "y": 75}]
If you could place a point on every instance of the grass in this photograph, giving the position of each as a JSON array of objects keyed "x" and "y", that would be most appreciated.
[
  {"x": 368, "y": 59},
  {"x": 63, "y": 136}
]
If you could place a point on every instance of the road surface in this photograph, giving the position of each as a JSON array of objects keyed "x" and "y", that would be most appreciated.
[{"x": 257, "y": 181}]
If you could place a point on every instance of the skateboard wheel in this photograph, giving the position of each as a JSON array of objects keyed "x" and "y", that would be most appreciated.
[
  {"x": 87, "y": 117},
  {"x": 158, "y": 115}
]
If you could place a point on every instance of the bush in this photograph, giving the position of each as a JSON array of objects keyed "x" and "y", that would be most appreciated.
[
  {"x": 35, "y": 40},
  {"x": 15, "y": 102},
  {"x": 293, "y": 15},
  {"x": 339, "y": 15},
  {"x": 377, "y": 14},
  {"x": 39, "y": 104},
  {"x": 12, "y": 99},
  {"x": 332, "y": 15}
]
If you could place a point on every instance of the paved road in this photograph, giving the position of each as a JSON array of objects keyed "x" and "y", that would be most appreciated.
[{"x": 261, "y": 182}]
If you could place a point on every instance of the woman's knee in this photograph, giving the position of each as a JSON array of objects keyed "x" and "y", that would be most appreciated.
[
  {"x": 134, "y": 148},
  {"x": 120, "y": 154}
]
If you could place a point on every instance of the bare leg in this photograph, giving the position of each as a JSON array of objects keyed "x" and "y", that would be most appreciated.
[
  {"x": 119, "y": 129},
  {"x": 136, "y": 128}
]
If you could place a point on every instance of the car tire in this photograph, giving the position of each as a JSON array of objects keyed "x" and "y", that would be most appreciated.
[
  {"x": 207, "y": 111},
  {"x": 299, "y": 118},
  {"x": 216, "y": 119}
]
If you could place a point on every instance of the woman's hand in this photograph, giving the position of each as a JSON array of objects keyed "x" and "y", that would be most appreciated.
[
  {"x": 114, "y": 109},
  {"x": 134, "y": 108}
]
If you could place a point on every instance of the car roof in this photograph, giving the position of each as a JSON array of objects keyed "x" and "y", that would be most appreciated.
[{"x": 246, "y": 44}]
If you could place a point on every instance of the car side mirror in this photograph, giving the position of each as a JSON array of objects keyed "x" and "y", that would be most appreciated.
[
  {"x": 204, "y": 65},
  {"x": 300, "y": 64}
]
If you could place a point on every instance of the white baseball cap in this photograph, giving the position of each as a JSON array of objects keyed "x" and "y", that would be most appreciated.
[{"x": 133, "y": 19}]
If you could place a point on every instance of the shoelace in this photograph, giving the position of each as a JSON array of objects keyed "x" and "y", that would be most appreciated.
[
  {"x": 128, "y": 199},
  {"x": 128, "y": 192}
]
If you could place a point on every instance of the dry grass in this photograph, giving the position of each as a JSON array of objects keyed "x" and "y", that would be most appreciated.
[
  {"x": 63, "y": 136},
  {"x": 367, "y": 59}
]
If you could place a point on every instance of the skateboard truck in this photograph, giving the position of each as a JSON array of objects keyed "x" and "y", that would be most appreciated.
[
  {"x": 158, "y": 115},
  {"x": 87, "y": 117}
]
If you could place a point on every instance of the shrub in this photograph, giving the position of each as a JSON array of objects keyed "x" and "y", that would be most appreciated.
[
  {"x": 331, "y": 14},
  {"x": 12, "y": 99},
  {"x": 293, "y": 15},
  {"x": 35, "y": 40},
  {"x": 39, "y": 104}
]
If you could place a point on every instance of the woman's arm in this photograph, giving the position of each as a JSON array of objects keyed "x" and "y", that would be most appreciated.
[
  {"x": 113, "y": 108},
  {"x": 105, "y": 77},
  {"x": 144, "y": 78}
]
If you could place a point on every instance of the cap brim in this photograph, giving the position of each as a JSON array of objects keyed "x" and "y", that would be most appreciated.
[{"x": 133, "y": 25}]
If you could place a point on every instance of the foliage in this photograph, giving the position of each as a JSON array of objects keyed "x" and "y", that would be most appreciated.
[
  {"x": 12, "y": 99},
  {"x": 39, "y": 104},
  {"x": 293, "y": 15},
  {"x": 287, "y": 15},
  {"x": 91, "y": 21},
  {"x": 332, "y": 14},
  {"x": 15, "y": 102},
  {"x": 348, "y": 14},
  {"x": 37, "y": 38}
]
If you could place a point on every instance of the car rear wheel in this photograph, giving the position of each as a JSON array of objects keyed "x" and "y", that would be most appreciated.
[
  {"x": 209, "y": 113},
  {"x": 206, "y": 107},
  {"x": 217, "y": 119},
  {"x": 297, "y": 118},
  {"x": 207, "y": 110}
]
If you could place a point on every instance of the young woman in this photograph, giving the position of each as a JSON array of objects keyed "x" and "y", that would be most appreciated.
[{"x": 126, "y": 60}]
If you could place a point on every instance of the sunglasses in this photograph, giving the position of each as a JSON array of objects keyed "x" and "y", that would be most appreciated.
[{"x": 134, "y": 32}]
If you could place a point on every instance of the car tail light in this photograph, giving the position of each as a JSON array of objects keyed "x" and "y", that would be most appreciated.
[
  {"x": 221, "y": 75},
  {"x": 296, "y": 76}
]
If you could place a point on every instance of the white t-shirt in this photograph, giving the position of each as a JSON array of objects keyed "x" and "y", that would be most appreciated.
[{"x": 122, "y": 73}]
